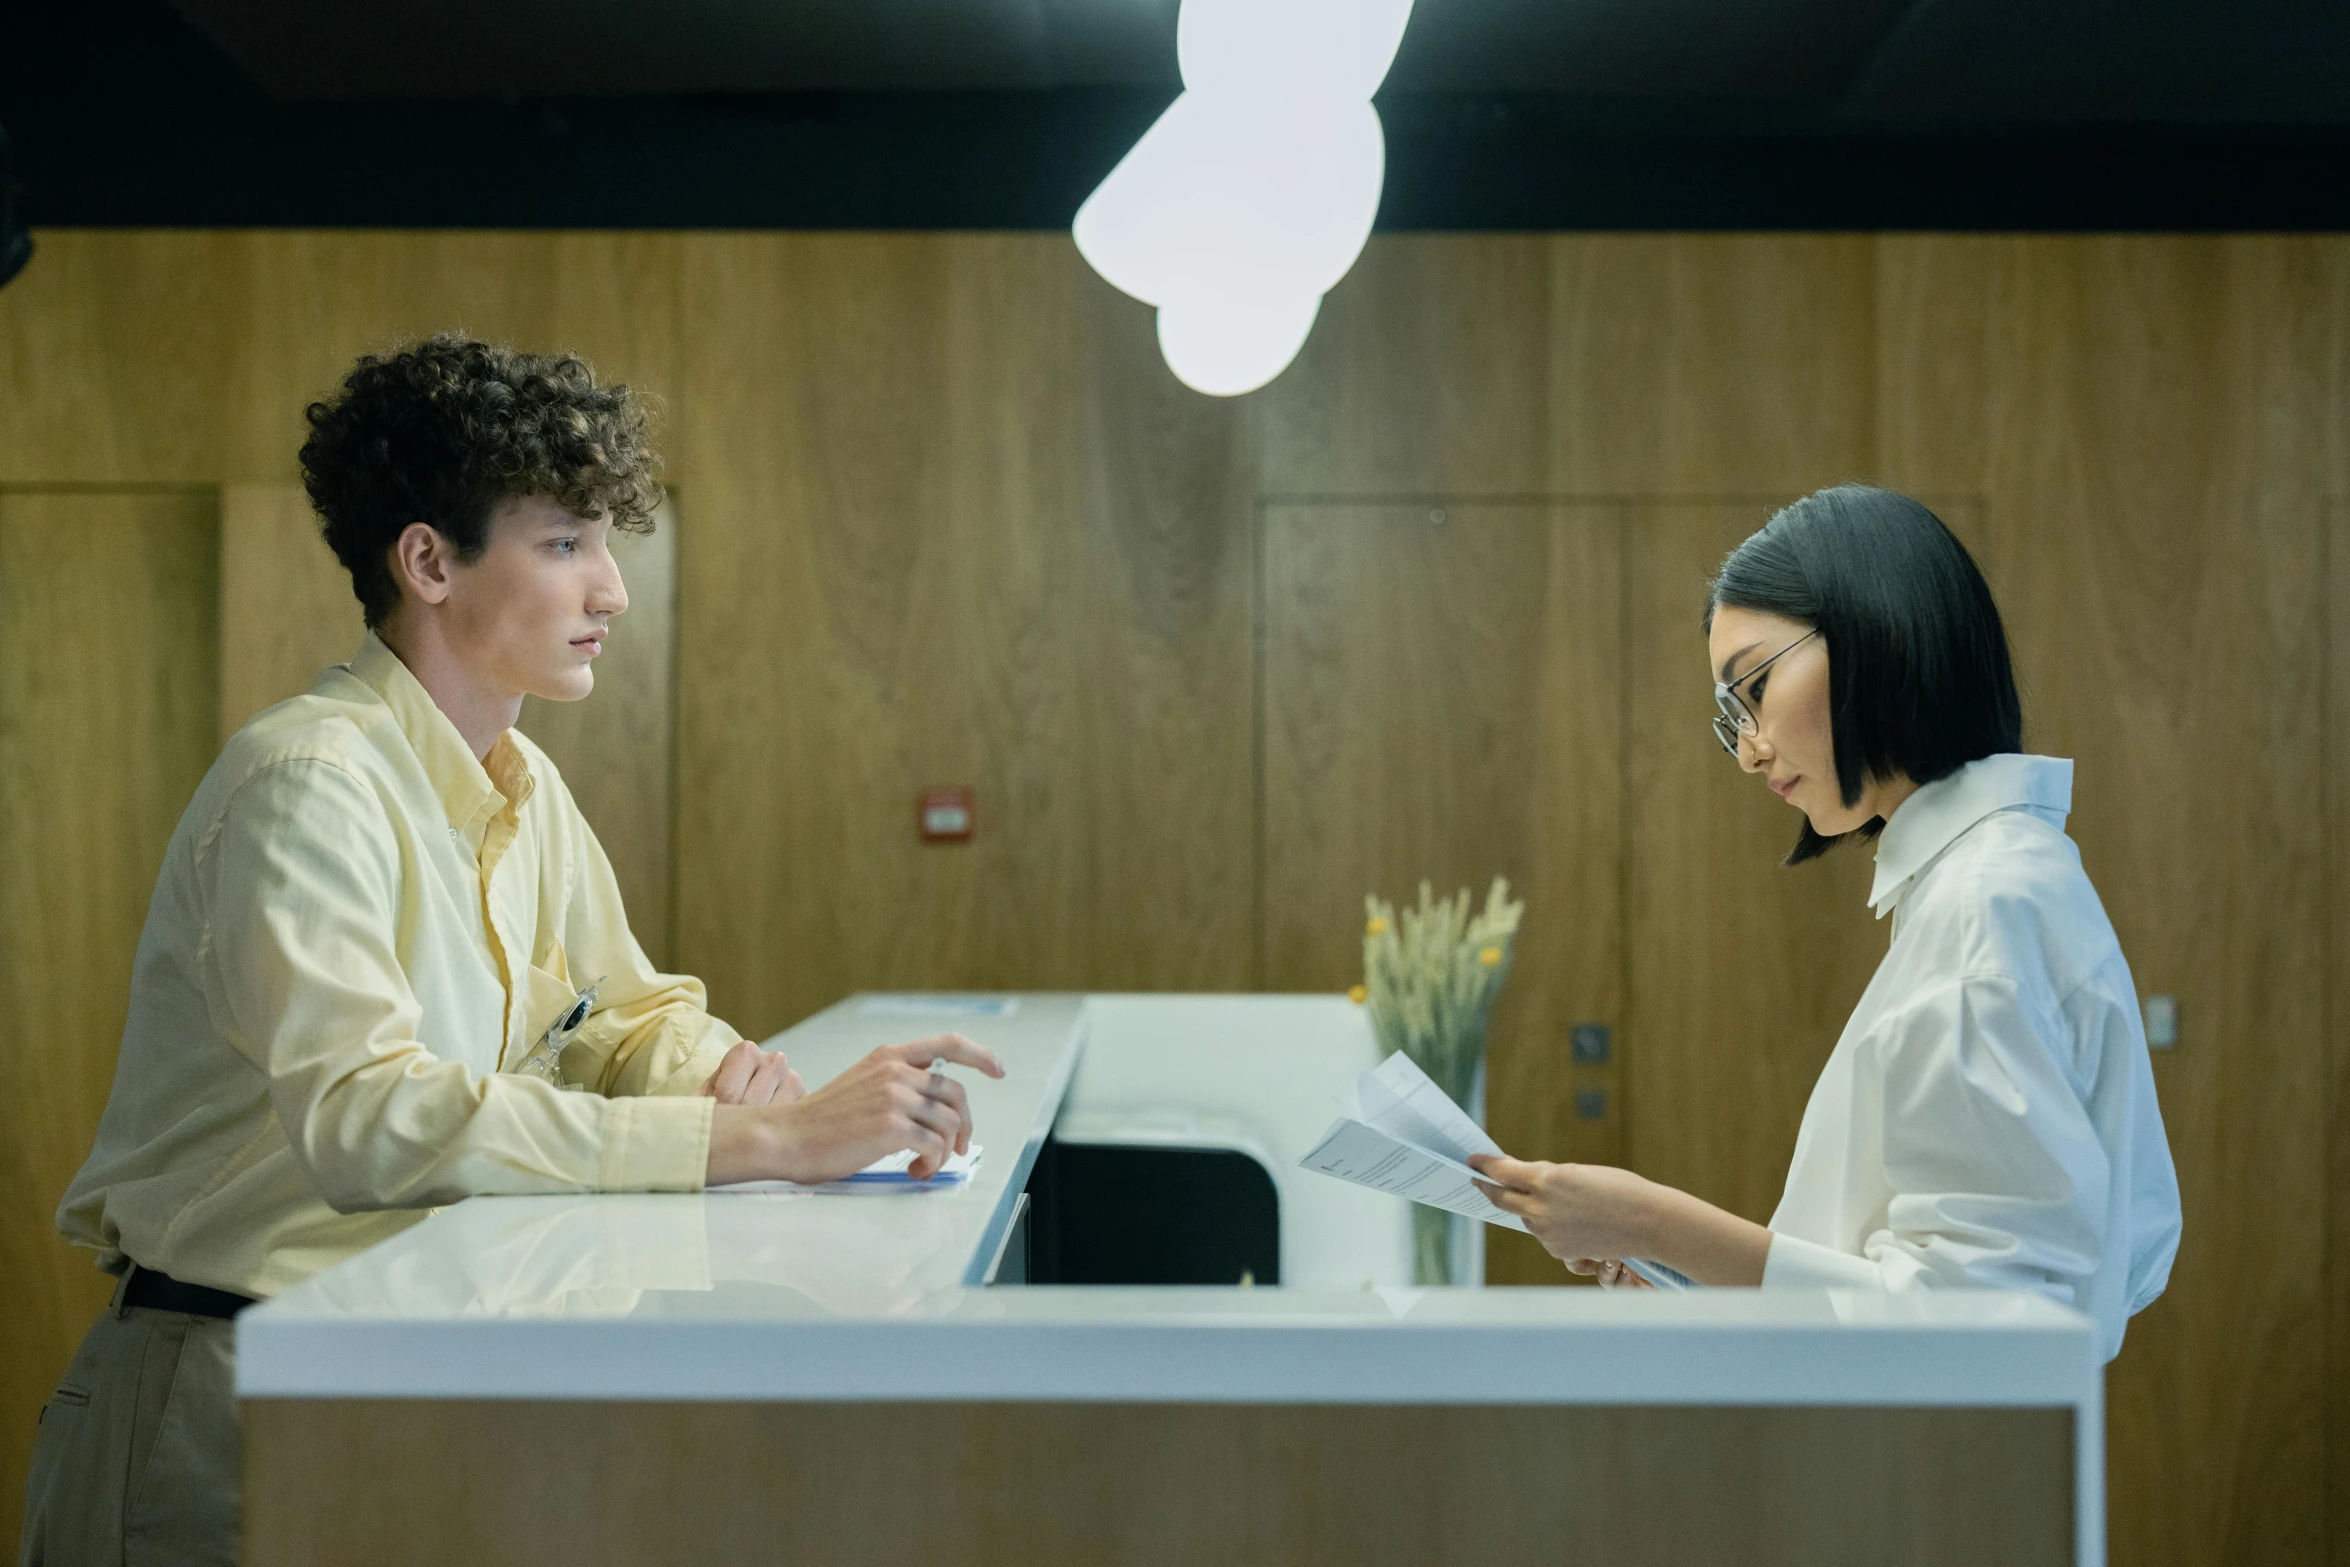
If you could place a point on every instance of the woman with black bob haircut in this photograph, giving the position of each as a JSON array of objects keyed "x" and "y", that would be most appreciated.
[{"x": 1988, "y": 1117}]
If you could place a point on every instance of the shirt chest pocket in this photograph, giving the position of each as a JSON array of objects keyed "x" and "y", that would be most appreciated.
[{"x": 553, "y": 1008}]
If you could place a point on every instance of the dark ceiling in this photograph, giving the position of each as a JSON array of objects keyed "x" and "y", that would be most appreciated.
[
  {"x": 1976, "y": 61},
  {"x": 1004, "y": 113}
]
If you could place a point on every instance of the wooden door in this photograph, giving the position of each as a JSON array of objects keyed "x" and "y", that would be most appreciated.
[
  {"x": 108, "y": 696},
  {"x": 1742, "y": 971},
  {"x": 1439, "y": 699}
]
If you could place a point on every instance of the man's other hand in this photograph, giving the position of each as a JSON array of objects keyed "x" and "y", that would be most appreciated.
[{"x": 751, "y": 1076}]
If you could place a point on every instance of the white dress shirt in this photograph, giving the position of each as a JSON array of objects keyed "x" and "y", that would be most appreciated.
[{"x": 1988, "y": 1117}]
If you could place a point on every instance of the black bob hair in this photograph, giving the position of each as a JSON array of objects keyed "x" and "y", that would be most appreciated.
[{"x": 1919, "y": 682}]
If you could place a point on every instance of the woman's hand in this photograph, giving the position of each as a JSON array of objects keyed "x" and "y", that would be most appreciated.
[
  {"x": 748, "y": 1075},
  {"x": 1591, "y": 1215},
  {"x": 1613, "y": 1273},
  {"x": 1579, "y": 1212}
]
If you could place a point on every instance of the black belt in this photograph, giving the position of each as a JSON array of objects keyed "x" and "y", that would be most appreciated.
[{"x": 161, "y": 1292}]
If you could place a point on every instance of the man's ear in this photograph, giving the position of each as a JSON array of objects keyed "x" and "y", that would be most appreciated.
[{"x": 421, "y": 560}]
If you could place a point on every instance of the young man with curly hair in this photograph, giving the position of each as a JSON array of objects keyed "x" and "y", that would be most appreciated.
[{"x": 359, "y": 991}]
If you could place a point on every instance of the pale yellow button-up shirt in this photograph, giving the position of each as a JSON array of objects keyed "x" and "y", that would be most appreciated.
[{"x": 358, "y": 934}]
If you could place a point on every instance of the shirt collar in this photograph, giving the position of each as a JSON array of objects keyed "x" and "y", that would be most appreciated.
[
  {"x": 1932, "y": 819},
  {"x": 466, "y": 787}
]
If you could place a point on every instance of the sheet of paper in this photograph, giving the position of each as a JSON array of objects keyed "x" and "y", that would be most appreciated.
[
  {"x": 1354, "y": 1150},
  {"x": 882, "y": 1175},
  {"x": 1410, "y": 1139},
  {"x": 1662, "y": 1277},
  {"x": 1403, "y": 1101}
]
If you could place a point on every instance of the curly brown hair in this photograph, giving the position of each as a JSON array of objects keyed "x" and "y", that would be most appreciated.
[{"x": 443, "y": 430}]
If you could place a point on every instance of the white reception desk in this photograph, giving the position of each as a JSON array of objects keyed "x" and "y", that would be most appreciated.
[{"x": 832, "y": 1378}]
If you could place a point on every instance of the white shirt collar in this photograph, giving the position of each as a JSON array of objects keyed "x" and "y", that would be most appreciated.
[{"x": 1932, "y": 819}]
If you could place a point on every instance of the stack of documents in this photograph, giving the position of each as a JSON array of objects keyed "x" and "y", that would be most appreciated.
[
  {"x": 1408, "y": 1137},
  {"x": 882, "y": 1175}
]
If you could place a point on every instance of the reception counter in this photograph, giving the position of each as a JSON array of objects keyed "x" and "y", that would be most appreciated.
[{"x": 833, "y": 1378}]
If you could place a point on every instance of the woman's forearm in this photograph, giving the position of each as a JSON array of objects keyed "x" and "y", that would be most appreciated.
[{"x": 1707, "y": 1243}]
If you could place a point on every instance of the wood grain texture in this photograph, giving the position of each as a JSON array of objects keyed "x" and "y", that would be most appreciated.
[
  {"x": 2158, "y": 555},
  {"x": 1742, "y": 971},
  {"x": 1710, "y": 366},
  {"x": 1428, "y": 374},
  {"x": 1061, "y": 1485},
  {"x": 286, "y": 606},
  {"x": 1440, "y": 701},
  {"x": 951, "y": 522},
  {"x": 112, "y": 355},
  {"x": 317, "y": 301},
  {"x": 952, "y": 526},
  {"x": 102, "y": 741},
  {"x": 2336, "y": 1386},
  {"x": 617, "y": 747}
]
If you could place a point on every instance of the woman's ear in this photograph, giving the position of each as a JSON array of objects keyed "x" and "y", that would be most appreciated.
[{"x": 421, "y": 558}]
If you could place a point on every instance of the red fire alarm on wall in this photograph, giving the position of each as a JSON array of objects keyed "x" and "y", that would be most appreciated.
[{"x": 946, "y": 815}]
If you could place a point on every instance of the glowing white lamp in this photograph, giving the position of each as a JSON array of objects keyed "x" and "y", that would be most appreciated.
[
  {"x": 1253, "y": 194},
  {"x": 1233, "y": 346}
]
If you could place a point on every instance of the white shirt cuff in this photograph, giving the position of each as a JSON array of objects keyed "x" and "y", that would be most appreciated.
[{"x": 1807, "y": 1265}]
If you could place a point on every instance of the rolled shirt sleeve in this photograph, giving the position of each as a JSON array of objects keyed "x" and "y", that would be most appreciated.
[
  {"x": 309, "y": 988},
  {"x": 1995, "y": 1175}
]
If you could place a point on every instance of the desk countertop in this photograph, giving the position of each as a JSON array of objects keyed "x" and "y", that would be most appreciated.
[{"x": 796, "y": 1296}]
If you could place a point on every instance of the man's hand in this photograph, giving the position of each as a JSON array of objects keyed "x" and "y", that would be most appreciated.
[
  {"x": 888, "y": 1102},
  {"x": 751, "y": 1076}
]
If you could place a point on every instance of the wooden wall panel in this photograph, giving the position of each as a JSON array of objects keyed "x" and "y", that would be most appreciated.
[
  {"x": 179, "y": 357},
  {"x": 953, "y": 522},
  {"x": 286, "y": 606},
  {"x": 617, "y": 748},
  {"x": 1705, "y": 366},
  {"x": 1427, "y": 375},
  {"x": 2159, "y": 560},
  {"x": 103, "y": 738},
  {"x": 1742, "y": 971},
  {"x": 113, "y": 353},
  {"x": 1441, "y": 700},
  {"x": 319, "y": 300},
  {"x": 2336, "y": 1384},
  {"x": 952, "y": 526}
]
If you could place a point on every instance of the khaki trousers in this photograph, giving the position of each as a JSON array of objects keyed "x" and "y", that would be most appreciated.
[{"x": 138, "y": 1460}]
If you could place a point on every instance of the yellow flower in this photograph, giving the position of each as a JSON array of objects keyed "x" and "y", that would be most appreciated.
[
  {"x": 1377, "y": 927},
  {"x": 1490, "y": 957},
  {"x": 1357, "y": 994}
]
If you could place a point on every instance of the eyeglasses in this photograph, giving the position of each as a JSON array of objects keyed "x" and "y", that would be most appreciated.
[{"x": 1736, "y": 717}]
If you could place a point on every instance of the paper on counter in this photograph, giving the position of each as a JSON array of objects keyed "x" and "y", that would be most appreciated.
[
  {"x": 939, "y": 1006},
  {"x": 882, "y": 1175}
]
